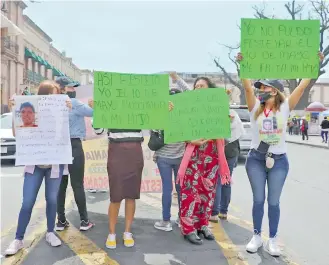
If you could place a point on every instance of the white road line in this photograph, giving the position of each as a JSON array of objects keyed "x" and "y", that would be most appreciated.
[{"x": 16, "y": 175}]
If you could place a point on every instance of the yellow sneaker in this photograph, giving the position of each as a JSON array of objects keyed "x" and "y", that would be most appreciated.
[
  {"x": 111, "y": 242},
  {"x": 128, "y": 240}
]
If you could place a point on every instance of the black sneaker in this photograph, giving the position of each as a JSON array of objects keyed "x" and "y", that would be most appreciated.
[
  {"x": 60, "y": 226},
  {"x": 85, "y": 226}
]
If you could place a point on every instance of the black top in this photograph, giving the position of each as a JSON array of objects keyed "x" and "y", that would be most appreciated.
[
  {"x": 325, "y": 124},
  {"x": 232, "y": 149}
]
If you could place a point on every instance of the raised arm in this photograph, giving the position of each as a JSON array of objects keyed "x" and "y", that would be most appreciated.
[
  {"x": 182, "y": 85},
  {"x": 83, "y": 109},
  {"x": 249, "y": 91},
  {"x": 299, "y": 90}
]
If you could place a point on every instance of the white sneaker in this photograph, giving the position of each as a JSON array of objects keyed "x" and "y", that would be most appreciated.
[
  {"x": 14, "y": 247},
  {"x": 53, "y": 240},
  {"x": 163, "y": 225},
  {"x": 273, "y": 248},
  {"x": 254, "y": 244},
  {"x": 177, "y": 221}
]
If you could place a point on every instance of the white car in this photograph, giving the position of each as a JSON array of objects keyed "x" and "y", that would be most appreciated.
[
  {"x": 8, "y": 142},
  {"x": 245, "y": 140}
]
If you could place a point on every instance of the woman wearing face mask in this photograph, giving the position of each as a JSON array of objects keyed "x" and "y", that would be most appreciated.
[
  {"x": 203, "y": 161},
  {"x": 33, "y": 177},
  {"x": 267, "y": 160},
  {"x": 232, "y": 150}
]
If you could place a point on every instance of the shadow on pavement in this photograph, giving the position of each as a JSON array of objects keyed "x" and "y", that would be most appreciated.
[
  {"x": 241, "y": 236},
  {"x": 93, "y": 198},
  {"x": 153, "y": 247}
]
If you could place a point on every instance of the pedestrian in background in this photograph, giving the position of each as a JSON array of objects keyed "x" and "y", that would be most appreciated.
[
  {"x": 304, "y": 128},
  {"x": 324, "y": 129},
  {"x": 33, "y": 178}
]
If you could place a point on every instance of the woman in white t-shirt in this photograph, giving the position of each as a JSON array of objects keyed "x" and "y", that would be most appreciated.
[{"x": 267, "y": 160}]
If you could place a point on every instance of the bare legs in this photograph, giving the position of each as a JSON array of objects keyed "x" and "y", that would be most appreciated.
[
  {"x": 113, "y": 213},
  {"x": 129, "y": 213}
]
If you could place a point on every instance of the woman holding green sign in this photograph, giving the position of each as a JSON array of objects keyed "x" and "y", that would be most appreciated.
[
  {"x": 267, "y": 160},
  {"x": 202, "y": 163}
]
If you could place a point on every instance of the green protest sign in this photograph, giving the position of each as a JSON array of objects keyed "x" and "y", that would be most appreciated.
[
  {"x": 130, "y": 101},
  {"x": 282, "y": 49},
  {"x": 197, "y": 114}
]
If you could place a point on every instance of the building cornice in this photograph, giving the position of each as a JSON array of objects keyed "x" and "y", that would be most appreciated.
[
  {"x": 36, "y": 27},
  {"x": 21, "y": 4},
  {"x": 68, "y": 59}
]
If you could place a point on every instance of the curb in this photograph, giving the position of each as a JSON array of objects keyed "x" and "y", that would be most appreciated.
[{"x": 313, "y": 145}]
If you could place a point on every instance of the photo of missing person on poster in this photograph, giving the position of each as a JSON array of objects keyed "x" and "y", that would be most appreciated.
[{"x": 27, "y": 114}]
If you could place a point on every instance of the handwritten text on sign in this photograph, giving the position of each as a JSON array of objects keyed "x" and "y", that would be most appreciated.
[
  {"x": 282, "y": 49},
  {"x": 199, "y": 114},
  {"x": 47, "y": 141},
  {"x": 130, "y": 101}
]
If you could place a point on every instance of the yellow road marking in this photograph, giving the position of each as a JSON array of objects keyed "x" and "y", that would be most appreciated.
[
  {"x": 230, "y": 251},
  {"x": 33, "y": 238},
  {"x": 86, "y": 250},
  {"x": 249, "y": 226}
]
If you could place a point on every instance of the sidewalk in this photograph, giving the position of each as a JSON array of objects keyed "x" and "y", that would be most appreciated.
[{"x": 315, "y": 141}]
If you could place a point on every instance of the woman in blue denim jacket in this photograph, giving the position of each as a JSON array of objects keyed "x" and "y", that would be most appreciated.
[
  {"x": 33, "y": 177},
  {"x": 267, "y": 160}
]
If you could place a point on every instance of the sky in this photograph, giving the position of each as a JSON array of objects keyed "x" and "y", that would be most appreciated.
[{"x": 146, "y": 36}]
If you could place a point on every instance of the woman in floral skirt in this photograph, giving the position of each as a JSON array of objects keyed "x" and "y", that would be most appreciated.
[{"x": 203, "y": 161}]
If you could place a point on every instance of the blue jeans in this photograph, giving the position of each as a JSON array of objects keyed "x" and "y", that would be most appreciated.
[
  {"x": 223, "y": 192},
  {"x": 275, "y": 177},
  {"x": 166, "y": 167},
  {"x": 32, "y": 183}
]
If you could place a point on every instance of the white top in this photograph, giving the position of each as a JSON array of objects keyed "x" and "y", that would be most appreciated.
[
  {"x": 237, "y": 129},
  {"x": 271, "y": 129}
]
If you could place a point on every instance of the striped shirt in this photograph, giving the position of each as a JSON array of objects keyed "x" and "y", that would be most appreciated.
[
  {"x": 124, "y": 135},
  {"x": 174, "y": 150}
]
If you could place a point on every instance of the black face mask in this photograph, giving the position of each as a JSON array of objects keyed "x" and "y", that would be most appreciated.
[
  {"x": 71, "y": 94},
  {"x": 264, "y": 96}
]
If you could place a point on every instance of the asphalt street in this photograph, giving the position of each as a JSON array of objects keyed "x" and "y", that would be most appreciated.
[{"x": 303, "y": 230}]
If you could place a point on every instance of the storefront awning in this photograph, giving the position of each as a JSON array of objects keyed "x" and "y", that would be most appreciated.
[
  {"x": 13, "y": 30},
  {"x": 56, "y": 72},
  {"x": 47, "y": 65}
]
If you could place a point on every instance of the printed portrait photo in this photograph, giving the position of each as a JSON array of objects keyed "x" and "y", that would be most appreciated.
[
  {"x": 267, "y": 125},
  {"x": 26, "y": 115}
]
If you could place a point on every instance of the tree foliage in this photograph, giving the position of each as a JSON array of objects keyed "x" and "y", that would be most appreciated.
[{"x": 318, "y": 9}]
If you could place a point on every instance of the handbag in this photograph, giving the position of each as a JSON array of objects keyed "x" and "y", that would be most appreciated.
[{"x": 156, "y": 140}]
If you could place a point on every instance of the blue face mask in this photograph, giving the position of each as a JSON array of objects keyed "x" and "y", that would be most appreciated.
[{"x": 264, "y": 96}]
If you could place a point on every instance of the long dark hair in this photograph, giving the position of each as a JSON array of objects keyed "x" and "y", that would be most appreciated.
[{"x": 210, "y": 83}]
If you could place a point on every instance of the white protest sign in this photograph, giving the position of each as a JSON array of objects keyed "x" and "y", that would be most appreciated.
[{"x": 42, "y": 130}]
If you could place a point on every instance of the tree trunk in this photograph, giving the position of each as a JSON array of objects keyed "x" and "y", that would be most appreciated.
[
  {"x": 242, "y": 97},
  {"x": 304, "y": 101}
]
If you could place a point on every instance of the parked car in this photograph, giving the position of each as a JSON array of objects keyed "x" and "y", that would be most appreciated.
[
  {"x": 8, "y": 142},
  {"x": 245, "y": 140}
]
